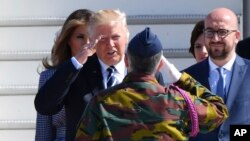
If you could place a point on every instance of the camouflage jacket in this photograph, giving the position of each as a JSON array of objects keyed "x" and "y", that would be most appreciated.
[{"x": 140, "y": 109}]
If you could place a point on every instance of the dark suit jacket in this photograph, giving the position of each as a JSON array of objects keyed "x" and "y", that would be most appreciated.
[
  {"x": 72, "y": 88},
  {"x": 243, "y": 48},
  {"x": 238, "y": 97}
]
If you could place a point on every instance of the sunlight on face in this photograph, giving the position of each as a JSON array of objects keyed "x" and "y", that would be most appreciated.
[{"x": 112, "y": 45}]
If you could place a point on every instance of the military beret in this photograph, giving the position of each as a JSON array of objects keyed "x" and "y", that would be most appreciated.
[{"x": 145, "y": 44}]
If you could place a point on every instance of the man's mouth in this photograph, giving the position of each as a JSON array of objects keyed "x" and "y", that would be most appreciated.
[{"x": 111, "y": 52}]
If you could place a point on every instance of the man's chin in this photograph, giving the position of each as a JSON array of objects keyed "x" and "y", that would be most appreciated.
[
  {"x": 217, "y": 57},
  {"x": 113, "y": 61}
]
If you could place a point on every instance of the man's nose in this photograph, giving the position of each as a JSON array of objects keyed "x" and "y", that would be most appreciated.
[
  {"x": 215, "y": 37},
  {"x": 110, "y": 42}
]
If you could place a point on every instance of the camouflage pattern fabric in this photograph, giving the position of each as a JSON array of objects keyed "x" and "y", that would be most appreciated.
[{"x": 139, "y": 109}]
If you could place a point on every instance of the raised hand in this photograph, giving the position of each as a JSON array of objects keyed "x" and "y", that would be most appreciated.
[
  {"x": 87, "y": 50},
  {"x": 169, "y": 71}
]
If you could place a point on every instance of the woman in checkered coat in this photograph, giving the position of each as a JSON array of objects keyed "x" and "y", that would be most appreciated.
[{"x": 70, "y": 40}]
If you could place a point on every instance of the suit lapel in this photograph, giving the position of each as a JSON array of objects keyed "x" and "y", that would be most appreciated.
[
  {"x": 94, "y": 77},
  {"x": 239, "y": 71}
]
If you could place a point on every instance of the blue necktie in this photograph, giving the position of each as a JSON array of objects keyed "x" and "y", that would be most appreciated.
[
  {"x": 110, "y": 78},
  {"x": 220, "y": 85}
]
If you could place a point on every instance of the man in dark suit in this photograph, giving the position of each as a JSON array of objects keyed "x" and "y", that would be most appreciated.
[
  {"x": 77, "y": 80},
  {"x": 243, "y": 48},
  {"x": 221, "y": 36}
]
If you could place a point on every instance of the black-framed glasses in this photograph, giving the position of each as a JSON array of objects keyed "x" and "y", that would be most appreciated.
[{"x": 221, "y": 33}]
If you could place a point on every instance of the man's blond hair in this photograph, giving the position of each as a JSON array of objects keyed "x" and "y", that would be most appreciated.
[{"x": 107, "y": 16}]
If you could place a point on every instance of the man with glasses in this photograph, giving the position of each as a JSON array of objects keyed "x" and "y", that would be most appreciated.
[
  {"x": 232, "y": 81},
  {"x": 221, "y": 33}
]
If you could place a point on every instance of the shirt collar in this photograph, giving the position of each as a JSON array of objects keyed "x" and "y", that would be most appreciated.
[
  {"x": 120, "y": 67},
  {"x": 228, "y": 66}
]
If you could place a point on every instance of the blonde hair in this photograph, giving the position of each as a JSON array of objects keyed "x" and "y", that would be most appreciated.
[{"x": 107, "y": 16}]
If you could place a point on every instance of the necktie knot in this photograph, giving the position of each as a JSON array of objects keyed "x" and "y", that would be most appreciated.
[
  {"x": 110, "y": 77},
  {"x": 110, "y": 70},
  {"x": 220, "y": 70}
]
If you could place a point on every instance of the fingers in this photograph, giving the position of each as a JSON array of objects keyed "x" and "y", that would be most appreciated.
[
  {"x": 92, "y": 44},
  {"x": 83, "y": 55},
  {"x": 88, "y": 50},
  {"x": 163, "y": 58}
]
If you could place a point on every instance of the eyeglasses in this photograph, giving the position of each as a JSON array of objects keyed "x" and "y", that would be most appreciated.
[{"x": 221, "y": 33}]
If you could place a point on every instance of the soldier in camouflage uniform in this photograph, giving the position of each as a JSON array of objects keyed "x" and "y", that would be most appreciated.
[{"x": 139, "y": 109}]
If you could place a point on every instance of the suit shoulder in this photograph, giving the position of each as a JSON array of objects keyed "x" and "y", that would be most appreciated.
[
  {"x": 247, "y": 61},
  {"x": 91, "y": 60},
  {"x": 192, "y": 68},
  {"x": 47, "y": 73}
]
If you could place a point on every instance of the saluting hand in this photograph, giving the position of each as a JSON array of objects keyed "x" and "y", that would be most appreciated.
[
  {"x": 171, "y": 73},
  {"x": 87, "y": 50}
]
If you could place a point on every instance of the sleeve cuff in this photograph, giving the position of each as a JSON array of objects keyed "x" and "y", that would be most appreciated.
[{"x": 76, "y": 64}]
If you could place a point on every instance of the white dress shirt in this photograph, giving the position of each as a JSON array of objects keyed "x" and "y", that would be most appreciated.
[
  {"x": 119, "y": 74},
  {"x": 214, "y": 74}
]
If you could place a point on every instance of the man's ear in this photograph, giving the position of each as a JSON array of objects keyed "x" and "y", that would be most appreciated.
[{"x": 237, "y": 35}]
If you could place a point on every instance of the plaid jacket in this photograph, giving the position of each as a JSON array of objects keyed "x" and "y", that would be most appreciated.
[
  {"x": 141, "y": 109},
  {"x": 49, "y": 128}
]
